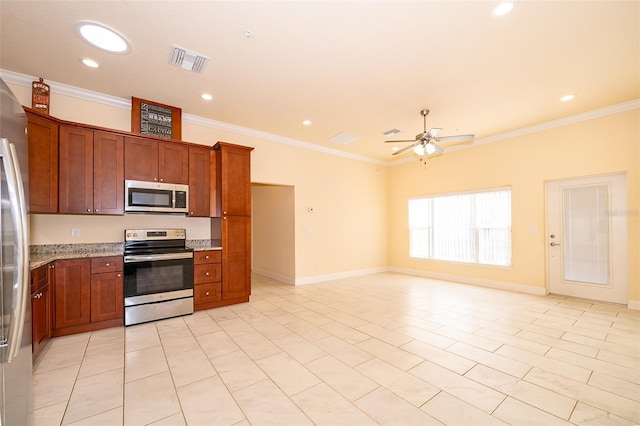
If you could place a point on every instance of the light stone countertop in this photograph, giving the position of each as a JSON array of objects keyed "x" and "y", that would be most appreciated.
[{"x": 42, "y": 254}]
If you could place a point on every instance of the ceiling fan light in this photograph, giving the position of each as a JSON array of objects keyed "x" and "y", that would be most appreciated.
[
  {"x": 430, "y": 148},
  {"x": 419, "y": 149}
]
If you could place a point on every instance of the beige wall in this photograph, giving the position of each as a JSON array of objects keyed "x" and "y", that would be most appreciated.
[
  {"x": 598, "y": 146},
  {"x": 346, "y": 234}
]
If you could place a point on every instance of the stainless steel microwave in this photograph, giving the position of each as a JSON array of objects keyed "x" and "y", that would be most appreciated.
[{"x": 155, "y": 197}]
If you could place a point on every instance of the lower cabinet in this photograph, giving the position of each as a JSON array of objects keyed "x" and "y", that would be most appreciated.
[
  {"x": 41, "y": 283},
  {"x": 207, "y": 279},
  {"x": 88, "y": 294},
  {"x": 107, "y": 298}
]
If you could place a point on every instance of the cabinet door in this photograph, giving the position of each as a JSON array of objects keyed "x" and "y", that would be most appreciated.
[
  {"x": 140, "y": 159},
  {"x": 72, "y": 292},
  {"x": 76, "y": 170},
  {"x": 108, "y": 173},
  {"x": 43, "y": 164},
  {"x": 107, "y": 300},
  {"x": 199, "y": 182},
  {"x": 234, "y": 178},
  {"x": 173, "y": 163},
  {"x": 236, "y": 261},
  {"x": 40, "y": 308}
]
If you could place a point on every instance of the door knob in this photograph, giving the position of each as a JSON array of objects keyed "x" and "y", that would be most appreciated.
[{"x": 555, "y": 244}]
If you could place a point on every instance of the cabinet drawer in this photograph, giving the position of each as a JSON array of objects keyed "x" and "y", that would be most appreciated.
[
  {"x": 205, "y": 293},
  {"x": 207, "y": 256},
  {"x": 207, "y": 273},
  {"x": 101, "y": 265},
  {"x": 39, "y": 277}
]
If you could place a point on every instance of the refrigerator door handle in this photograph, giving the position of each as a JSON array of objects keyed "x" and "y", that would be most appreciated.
[{"x": 19, "y": 215}]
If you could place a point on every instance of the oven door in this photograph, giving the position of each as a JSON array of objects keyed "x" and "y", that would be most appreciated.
[{"x": 150, "y": 278}]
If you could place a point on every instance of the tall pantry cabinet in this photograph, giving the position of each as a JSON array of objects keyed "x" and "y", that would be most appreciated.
[{"x": 231, "y": 169}]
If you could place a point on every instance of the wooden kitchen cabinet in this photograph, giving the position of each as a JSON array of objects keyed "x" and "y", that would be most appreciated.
[
  {"x": 91, "y": 171},
  {"x": 156, "y": 161},
  {"x": 72, "y": 296},
  {"x": 207, "y": 276},
  {"x": 88, "y": 294},
  {"x": 233, "y": 206},
  {"x": 107, "y": 289},
  {"x": 233, "y": 179},
  {"x": 43, "y": 163},
  {"x": 41, "y": 283},
  {"x": 108, "y": 173},
  {"x": 199, "y": 181},
  {"x": 236, "y": 258}
]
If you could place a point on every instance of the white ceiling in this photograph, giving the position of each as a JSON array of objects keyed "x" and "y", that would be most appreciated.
[{"x": 361, "y": 67}]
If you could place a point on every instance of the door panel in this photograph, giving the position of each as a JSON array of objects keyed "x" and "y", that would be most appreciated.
[{"x": 587, "y": 238}]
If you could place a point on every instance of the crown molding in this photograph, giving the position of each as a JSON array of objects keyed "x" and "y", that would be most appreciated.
[
  {"x": 88, "y": 95},
  {"x": 561, "y": 122},
  {"x": 64, "y": 89}
]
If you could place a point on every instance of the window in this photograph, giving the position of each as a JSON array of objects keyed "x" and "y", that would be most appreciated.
[{"x": 467, "y": 227}]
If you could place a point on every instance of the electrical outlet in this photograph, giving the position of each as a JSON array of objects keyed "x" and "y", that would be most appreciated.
[
  {"x": 189, "y": 231},
  {"x": 75, "y": 232}
]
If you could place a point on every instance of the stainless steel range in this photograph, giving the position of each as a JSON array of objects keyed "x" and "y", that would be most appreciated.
[{"x": 158, "y": 275}]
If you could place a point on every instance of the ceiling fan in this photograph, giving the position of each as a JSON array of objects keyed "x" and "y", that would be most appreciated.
[{"x": 425, "y": 142}]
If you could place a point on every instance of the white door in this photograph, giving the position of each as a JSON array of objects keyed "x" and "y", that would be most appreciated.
[{"x": 587, "y": 238}]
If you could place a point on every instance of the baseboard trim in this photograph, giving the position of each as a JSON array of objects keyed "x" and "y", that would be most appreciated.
[
  {"x": 501, "y": 285},
  {"x": 273, "y": 275},
  {"x": 634, "y": 304},
  {"x": 339, "y": 275}
]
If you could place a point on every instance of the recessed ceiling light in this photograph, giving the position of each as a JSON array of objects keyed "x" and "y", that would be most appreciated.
[
  {"x": 502, "y": 8},
  {"x": 90, "y": 63},
  {"x": 102, "y": 37},
  {"x": 306, "y": 122},
  {"x": 567, "y": 98},
  {"x": 206, "y": 96}
]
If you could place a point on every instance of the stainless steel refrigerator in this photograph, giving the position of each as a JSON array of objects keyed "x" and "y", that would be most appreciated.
[{"x": 15, "y": 303}]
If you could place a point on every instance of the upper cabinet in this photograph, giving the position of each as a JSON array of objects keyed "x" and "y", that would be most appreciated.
[
  {"x": 233, "y": 179},
  {"x": 199, "y": 182},
  {"x": 43, "y": 164},
  {"x": 156, "y": 161},
  {"x": 91, "y": 176}
]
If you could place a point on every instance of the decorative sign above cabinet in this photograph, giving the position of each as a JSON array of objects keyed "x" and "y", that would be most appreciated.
[
  {"x": 154, "y": 119},
  {"x": 40, "y": 92}
]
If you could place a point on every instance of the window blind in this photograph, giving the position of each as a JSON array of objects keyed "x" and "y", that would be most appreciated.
[{"x": 467, "y": 227}]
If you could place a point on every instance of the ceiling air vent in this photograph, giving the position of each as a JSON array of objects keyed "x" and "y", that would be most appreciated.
[
  {"x": 344, "y": 138},
  {"x": 392, "y": 132},
  {"x": 187, "y": 60}
]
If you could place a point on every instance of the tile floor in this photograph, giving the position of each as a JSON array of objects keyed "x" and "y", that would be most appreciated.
[{"x": 378, "y": 349}]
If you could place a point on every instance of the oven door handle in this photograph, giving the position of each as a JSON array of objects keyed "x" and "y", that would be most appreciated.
[{"x": 152, "y": 257}]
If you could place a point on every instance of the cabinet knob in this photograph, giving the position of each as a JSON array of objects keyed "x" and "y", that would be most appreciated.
[
  {"x": 206, "y": 256},
  {"x": 89, "y": 210},
  {"x": 206, "y": 293},
  {"x": 107, "y": 264},
  {"x": 119, "y": 275},
  {"x": 161, "y": 180},
  {"x": 206, "y": 273},
  {"x": 191, "y": 213},
  {"x": 97, "y": 210}
]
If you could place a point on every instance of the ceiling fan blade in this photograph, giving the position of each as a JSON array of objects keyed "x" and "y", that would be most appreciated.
[
  {"x": 434, "y": 132},
  {"x": 456, "y": 139},
  {"x": 404, "y": 140},
  {"x": 406, "y": 148}
]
